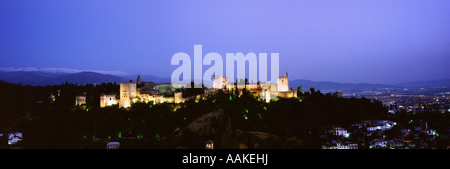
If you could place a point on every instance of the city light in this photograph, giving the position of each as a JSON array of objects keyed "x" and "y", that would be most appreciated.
[{"x": 347, "y": 135}]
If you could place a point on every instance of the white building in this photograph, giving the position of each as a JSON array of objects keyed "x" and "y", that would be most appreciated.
[
  {"x": 339, "y": 131},
  {"x": 381, "y": 125},
  {"x": 14, "y": 138},
  {"x": 107, "y": 100},
  {"x": 339, "y": 145},
  {"x": 113, "y": 145},
  {"x": 219, "y": 82},
  {"x": 80, "y": 100},
  {"x": 377, "y": 143}
]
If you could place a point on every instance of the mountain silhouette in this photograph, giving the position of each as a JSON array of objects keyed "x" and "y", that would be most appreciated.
[{"x": 40, "y": 78}]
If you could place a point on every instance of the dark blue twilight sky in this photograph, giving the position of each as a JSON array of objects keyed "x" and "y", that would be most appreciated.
[{"x": 374, "y": 41}]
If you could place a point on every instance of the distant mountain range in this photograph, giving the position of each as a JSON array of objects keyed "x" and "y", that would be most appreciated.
[
  {"x": 148, "y": 78},
  {"x": 38, "y": 78},
  {"x": 323, "y": 85},
  {"x": 307, "y": 84},
  {"x": 423, "y": 84},
  {"x": 41, "y": 78}
]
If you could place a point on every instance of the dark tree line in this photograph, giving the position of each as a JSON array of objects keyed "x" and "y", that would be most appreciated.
[{"x": 60, "y": 124}]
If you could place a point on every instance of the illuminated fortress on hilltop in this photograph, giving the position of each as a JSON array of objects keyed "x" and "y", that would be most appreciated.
[{"x": 139, "y": 91}]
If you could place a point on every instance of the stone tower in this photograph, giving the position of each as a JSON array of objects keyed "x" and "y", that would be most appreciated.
[
  {"x": 283, "y": 83},
  {"x": 127, "y": 94},
  {"x": 139, "y": 80}
]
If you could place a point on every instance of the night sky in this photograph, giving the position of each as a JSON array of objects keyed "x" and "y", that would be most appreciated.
[{"x": 373, "y": 41}]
